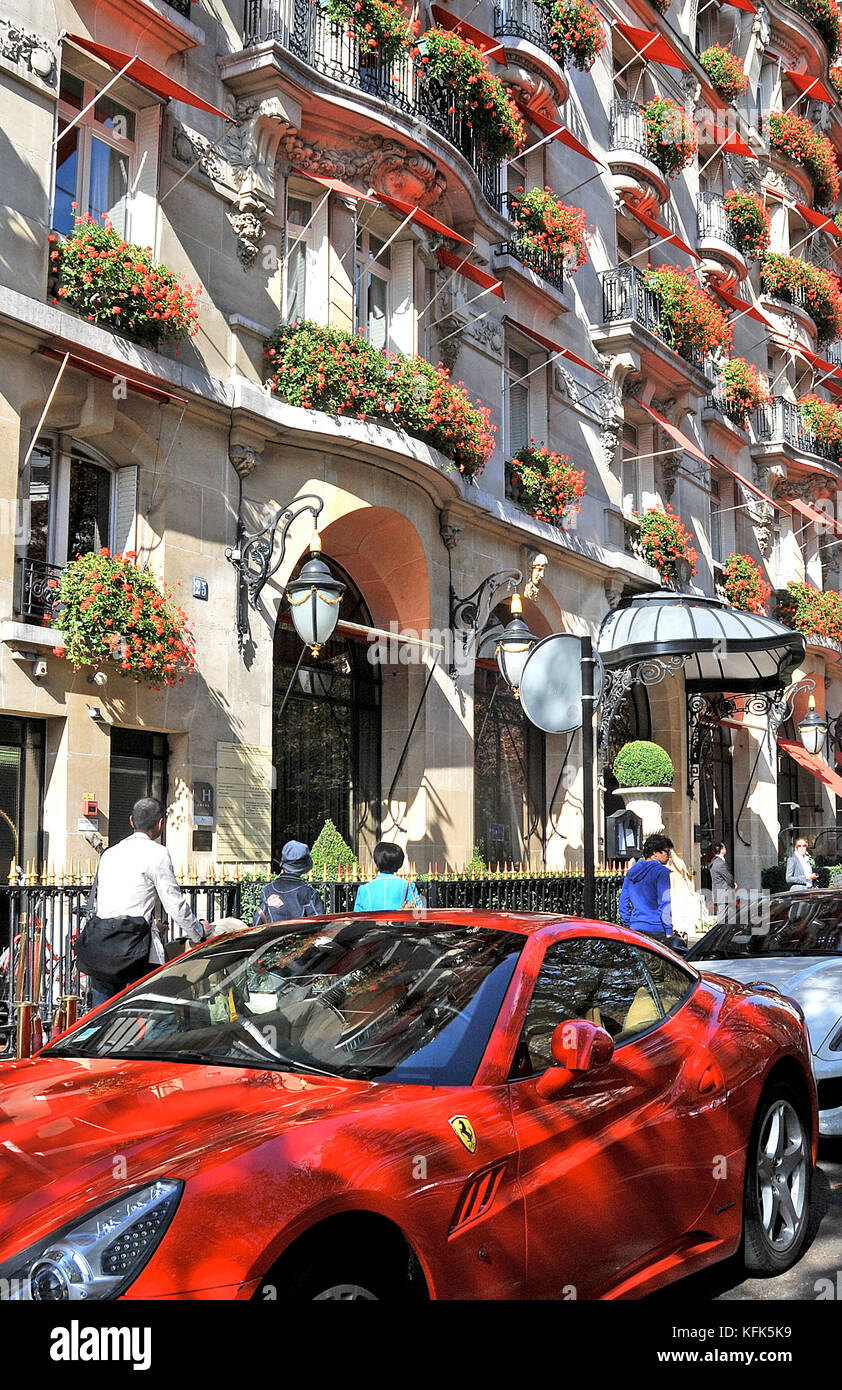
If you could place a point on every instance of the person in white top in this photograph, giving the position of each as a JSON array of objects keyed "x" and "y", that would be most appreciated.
[{"x": 134, "y": 875}]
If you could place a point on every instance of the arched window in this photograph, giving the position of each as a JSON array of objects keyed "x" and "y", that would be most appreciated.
[{"x": 326, "y": 747}]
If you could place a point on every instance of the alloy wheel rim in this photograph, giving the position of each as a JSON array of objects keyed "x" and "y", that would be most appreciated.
[
  {"x": 782, "y": 1169},
  {"x": 345, "y": 1293}
]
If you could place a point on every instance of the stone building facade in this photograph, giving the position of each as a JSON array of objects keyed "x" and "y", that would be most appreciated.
[{"x": 193, "y": 446}]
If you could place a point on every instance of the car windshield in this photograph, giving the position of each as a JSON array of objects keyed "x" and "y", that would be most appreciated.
[
  {"x": 800, "y": 925},
  {"x": 367, "y": 1000}
]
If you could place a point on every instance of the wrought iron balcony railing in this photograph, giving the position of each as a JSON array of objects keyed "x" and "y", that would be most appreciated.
[
  {"x": 548, "y": 266},
  {"x": 35, "y": 599},
  {"x": 181, "y": 7},
  {"x": 796, "y": 296},
  {"x": 714, "y": 220},
  {"x": 524, "y": 19},
  {"x": 628, "y": 129},
  {"x": 781, "y": 422},
  {"x": 625, "y": 296},
  {"x": 303, "y": 27}
]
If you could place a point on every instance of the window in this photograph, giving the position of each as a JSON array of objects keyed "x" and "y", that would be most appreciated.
[
  {"x": 672, "y": 984},
  {"x": 630, "y": 472},
  {"x": 372, "y": 292},
  {"x": 591, "y": 978},
  {"x": 518, "y": 403},
  {"x": 21, "y": 788},
  {"x": 94, "y": 159},
  {"x": 715, "y": 524},
  {"x": 138, "y": 768},
  {"x": 625, "y": 251},
  {"x": 299, "y": 253}
]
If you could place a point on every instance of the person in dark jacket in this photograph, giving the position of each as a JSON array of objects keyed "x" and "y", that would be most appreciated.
[
  {"x": 645, "y": 903},
  {"x": 722, "y": 882},
  {"x": 288, "y": 896}
]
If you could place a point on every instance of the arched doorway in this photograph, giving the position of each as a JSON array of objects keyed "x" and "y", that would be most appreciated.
[{"x": 326, "y": 748}]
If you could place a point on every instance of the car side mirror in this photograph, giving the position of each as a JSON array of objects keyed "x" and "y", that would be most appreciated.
[{"x": 577, "y": 1046}]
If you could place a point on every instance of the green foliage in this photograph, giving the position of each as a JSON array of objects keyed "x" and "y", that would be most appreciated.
[
  {"x": 643, "y": 764},
  {"x": 329, "y": 851},
  {"x": 476, "y": 864},
  {"x": 251, "y": 891}
]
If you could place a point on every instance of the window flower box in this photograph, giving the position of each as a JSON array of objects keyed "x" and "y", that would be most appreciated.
[
  {"x": 577, "y": 32},
  {"x": 549, "y": 487},
  {"x": 811, "y": 288},
  {"x": 477, "y": 94},
  {"x": 725, "y": 72},
  {"x": 749, "y": 220},
  {"x": 548, "y": 227},
  {"x": 809, "y": 610},
  {"x": 664, "y": 540},
  {"x": 744, "y": 586},
  {"x": 382, "y": 27},
  {"x": 794, "y": 137},
  {"x": 672, "y": 138},
  {"x": 744, "y": 389},
  {"x": 690, "y": 318}
]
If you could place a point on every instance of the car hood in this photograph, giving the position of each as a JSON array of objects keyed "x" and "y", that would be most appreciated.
[
  {"x": 815, "y": 983},
  {"x": 75, "y": 1131}
]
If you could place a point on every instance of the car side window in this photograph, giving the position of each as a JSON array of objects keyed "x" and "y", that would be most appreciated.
[
  {"x": 593, "y": 978},
  {"x": 672, "y": 984}
]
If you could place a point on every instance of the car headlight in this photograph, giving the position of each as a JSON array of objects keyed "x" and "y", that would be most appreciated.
[{"x": 97, "y": 1255}]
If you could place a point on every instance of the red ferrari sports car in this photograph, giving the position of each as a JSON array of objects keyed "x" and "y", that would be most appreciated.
[{"x": 459, "y": 1105}]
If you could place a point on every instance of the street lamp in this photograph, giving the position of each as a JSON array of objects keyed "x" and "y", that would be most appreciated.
[
  {"x": 812, "y": 729},
  {"x": 516, "y": 642},
  {"x": 314, "y": 599}
]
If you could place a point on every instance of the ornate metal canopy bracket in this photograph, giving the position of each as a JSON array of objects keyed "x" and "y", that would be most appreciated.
[
  {"x": 704, "y": 715},
  {"x": 617, "y": 684},
  {"x": 469, "y": 616},
  {"x": 253, "y": 554}
]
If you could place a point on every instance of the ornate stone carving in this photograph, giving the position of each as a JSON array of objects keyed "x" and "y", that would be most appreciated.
[
  {"x": 692, "y": 89},
  {"x": 387, "y": 165},
  {"x": 613, "y": 592},
  {"x": 670, "y": 465},
  {"x": 537, "y": 563},
  {"x": 451, "y": 328},
  {"x": 188, "y": 147},
  {"x": 565, "y": 384},
  {"x": 449, "y": 532},
  {"x": 487, "y": 332},
  {"x": 243, "y": 459},
  {"x": 761, "y": 27},
  {"x": 810, "y": 489},
  {"x": 762, "y": 518},
  {"x": 829, "y": 554},
  {"x": 248, "y": 223},
  {"x": 28, "y": 50}
]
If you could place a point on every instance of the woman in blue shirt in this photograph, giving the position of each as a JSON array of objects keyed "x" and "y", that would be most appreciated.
[{"x": 387, "y": 890}]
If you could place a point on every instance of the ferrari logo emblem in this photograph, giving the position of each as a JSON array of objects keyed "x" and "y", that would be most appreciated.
[{"x": 464, "y": 1130}]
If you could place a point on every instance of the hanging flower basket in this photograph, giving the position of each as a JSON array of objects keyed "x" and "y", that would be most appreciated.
[
  {"x": 794, "y": 137},
  {"x": 794, "y": 280},
  {"x": 690, "y": 318},
  {"x": 115, "y": 616},
  {"x": 672, "y": 138},
  {"x": 825, "y": 18},
  {"x": 807, "y": 610},
  {"x": 749, "y": 220},
  {"x": 552, "y": 488},
  {"x": 725, "y": 72},
  {"x": 111, "y": 281},
  {"x": 476, "y": 93},
  {"x": 836, "y": 77},
  {"x": 342, "y": 374},
  {"x": 823, "y": 420},
  {"x": 381, "y": 27},
  {"x": 576, "y": 30},
  {"x": 744, "y": 388},
  {"x": 664, "y": 539},
  {"x": 744, "y": 585},
  {"x": 546, "y": 225}
]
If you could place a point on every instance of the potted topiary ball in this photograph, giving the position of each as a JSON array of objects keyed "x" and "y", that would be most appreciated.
[{"x": 645, "y": 774}]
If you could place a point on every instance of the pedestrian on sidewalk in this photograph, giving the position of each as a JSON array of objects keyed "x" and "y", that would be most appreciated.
[
  {"x": 388, "y": 891},
  {"x": 645, "y": 901},
  {"x": 120, "y": 942},
  {"x": 723, "y": 884},
  {"x": 289, "y": 895},
  {"x": 800, "y": 873}
]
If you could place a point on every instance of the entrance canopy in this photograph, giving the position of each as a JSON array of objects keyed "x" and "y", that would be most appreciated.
[{"x": 719, "y": 648}]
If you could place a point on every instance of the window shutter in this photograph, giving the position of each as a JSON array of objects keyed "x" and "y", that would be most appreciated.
[
  {"x": 296, "y": 282},
  {"x": 537, "y": 386},
  {"x": 402, "y": 325},
  {"x": 318, "y": 267},
  {"x": 125, "y": 509},
  {"x": 518, "y": 418},
  {"x": 143, "y": 221}
]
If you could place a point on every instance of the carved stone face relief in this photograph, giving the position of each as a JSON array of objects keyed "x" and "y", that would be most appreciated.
[{"x": 29, "y": 51}]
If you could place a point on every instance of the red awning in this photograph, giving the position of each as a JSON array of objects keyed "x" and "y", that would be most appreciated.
[
  {"x": 492, "y": 48},
  {"x": 675, "y": 433},
  {"x": 730, "y": 141},
  {"x": 741, "y": 305},
  {"x": 815, "y": 514},
  {"x": 811, "y": 762},
  {"x": 810, "y": 86},
  {"x": 650, "y": 45},
  {"x": 422, "y": 218},
  {"x": 549, "y": 127},
  {"x": 146, "y": 76},
  {"x": 335, "y": 185},
  {"x": 109, "y": 371},
  {"x": 660, "y": 229},
  {"x": 744, "y": 482},
  {"x": 470, "y": 272},
  {"x": 552, "y": 347},
  {"x": 818, "y": 219},
  {"x": 740, "y": 5},
  {"x": 821, "y": 364}
]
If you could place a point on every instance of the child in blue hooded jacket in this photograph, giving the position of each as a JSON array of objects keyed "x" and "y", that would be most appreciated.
[{"x": 645, "y": 903}]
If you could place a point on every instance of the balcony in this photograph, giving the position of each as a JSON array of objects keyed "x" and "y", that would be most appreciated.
[
  {"x": 181, "y": 7},
  {"x": 627, "y": 301},
  {"x": 717, "y": 403},
  {"x": 780, "y": 423},
  {"x": 524, "y": 23},
  {"x": 34, "y": 598},
  {"x": 794, "y": 305},
  {"x": 550, "y": 268},
  {"x": 304, "y": 29},
  {"x": 717, "y": 239},
  {"x": 632, "y": 171}
]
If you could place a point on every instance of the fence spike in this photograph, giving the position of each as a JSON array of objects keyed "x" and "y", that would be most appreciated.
[{"x": 13, "y": 871}]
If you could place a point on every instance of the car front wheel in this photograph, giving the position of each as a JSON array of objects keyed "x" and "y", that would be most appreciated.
[{"x": 779, "y": 1170}]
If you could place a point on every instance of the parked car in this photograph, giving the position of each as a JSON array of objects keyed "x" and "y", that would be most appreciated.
[
  {"x": 794, "y": 943},
  {"x": 459, "y": 1106}
]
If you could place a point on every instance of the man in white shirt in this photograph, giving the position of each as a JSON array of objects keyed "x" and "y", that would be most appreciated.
[{"x": 133, "y": 876}]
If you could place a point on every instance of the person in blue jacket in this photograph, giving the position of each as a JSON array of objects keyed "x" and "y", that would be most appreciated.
[
  {"x": 387, "y": 890},
  {"x": 645, "y": 903}
]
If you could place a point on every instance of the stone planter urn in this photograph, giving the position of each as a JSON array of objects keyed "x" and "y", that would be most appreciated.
[{"x": 648, "y": 803}]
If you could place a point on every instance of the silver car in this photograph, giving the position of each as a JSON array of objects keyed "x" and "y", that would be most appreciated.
[{"x": 794, "y": 942}]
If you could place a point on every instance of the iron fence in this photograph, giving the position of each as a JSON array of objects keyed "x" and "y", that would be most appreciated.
[
  {"x": 544, "y": 263},
  {"x": 181, "y": 7},
  {"x": 524, "y": 19},
  {"x": 627, "y": 127},
  {"x": 780, "y": 421},
  {"x": 714, "y": 220},
  {"x": 625, "y": 295},
  {"x": 305, "y": 29},
  {"x": 41, "y": 989},
  {"x": 34, "y": 596}
]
